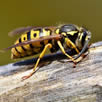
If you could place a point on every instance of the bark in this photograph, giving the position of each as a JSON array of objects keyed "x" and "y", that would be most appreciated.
[{"x": 56, "y": 80}]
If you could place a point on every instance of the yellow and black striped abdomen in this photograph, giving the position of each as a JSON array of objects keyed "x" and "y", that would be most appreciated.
[{"x": 30, "y": 49}]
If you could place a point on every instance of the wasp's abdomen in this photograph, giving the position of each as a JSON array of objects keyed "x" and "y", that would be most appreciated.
[{"x": 33, "y": 48}]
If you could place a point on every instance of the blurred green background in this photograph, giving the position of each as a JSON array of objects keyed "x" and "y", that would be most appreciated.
[{"x": 18, "y": 13}]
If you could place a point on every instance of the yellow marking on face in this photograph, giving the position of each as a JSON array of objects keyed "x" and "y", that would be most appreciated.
[
  {"x": 72, "y": 32},
  {"x": 81, "y": 35},
  {"x": 86, "y": 38}
]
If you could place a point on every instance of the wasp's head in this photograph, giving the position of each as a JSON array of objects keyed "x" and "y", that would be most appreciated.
[
  {"x": 75, "y": 36},
  {"x": 78, "y": 35}
]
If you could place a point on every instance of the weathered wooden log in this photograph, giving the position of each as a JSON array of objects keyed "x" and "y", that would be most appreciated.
[{"x": 54, "y": 82}]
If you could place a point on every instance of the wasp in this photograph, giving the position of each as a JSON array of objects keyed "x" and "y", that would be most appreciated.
[{"x": 36, "y": 40}]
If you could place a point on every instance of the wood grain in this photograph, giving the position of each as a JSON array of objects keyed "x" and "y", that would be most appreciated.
[{"x": 54, "y": 82}]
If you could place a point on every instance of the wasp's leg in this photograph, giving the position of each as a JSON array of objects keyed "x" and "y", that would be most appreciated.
[
  {"x": 41, "y": 55},
  {"x": 68, "y": 41},
  {"x": 62, "y": 49}
]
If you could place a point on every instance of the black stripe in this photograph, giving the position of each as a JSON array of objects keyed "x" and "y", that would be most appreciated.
[
  {"x": 55, "y": 46},
  {"x": 28, "y": 36},
  {"x": 22, "y": 46},
  {"x": 40, "y": 29},
  {"x": 17, "y": 50},
  {"x": 19, "y": 40},
  {"x": 31, "y": 46},
  {"x": 15, "y": 55},
  {"x": 83, "y": 38},
  {"x": 42, "y": 43},
  {"x": 50, "y": 32},
  {"x": 50, "y": 41}
]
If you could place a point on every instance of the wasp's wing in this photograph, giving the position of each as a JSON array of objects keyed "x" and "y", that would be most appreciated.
[
  {"x": 26, "y": 29},
  {"x": 57, "y": 37},
  {"x": 21, "y": 30}
]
